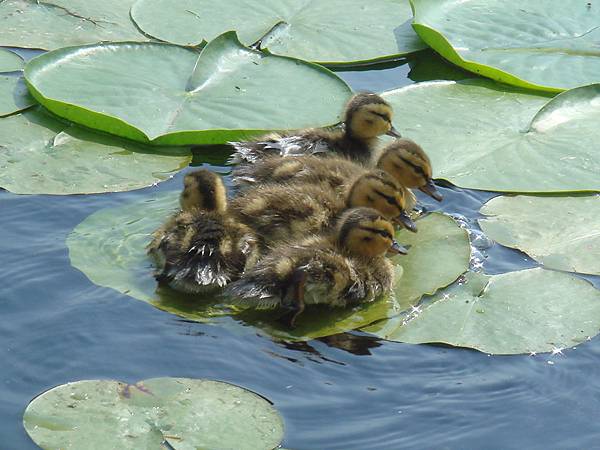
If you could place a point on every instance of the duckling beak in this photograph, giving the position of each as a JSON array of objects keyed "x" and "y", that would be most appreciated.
[
  {"x": 398, "y": 249},
  {"x": 432, "y": 191},
  {"x": 393, "y": 132},
  {"x": 404, "y": 220}
]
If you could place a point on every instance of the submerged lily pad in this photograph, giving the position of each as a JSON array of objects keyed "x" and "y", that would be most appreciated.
[
  {"x": 14, "y": 96},
  {"x": 51, "y": 24},
  {"x": 482, "y": 135},
  {"x": 533, "y": 310},
  {"x": 329, "y": 32},
  {"x": 109, "y": 247},
  {"x": 174, "y": 95},
  {"x": 550, "y": 45},
  {"x": 559, "y": 232},
  {"x": 40, "y": 155},
  {"x": 10, "y": 61},
  {"x": 159, "y": 413}
]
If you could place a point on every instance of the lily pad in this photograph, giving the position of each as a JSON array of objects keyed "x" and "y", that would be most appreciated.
[
  {"x": 550, "y": 45},
  {"x": 10, "y": 61},
  {"x": 439, "y": 254},
  {"x": 54, "y": 24},
  {"x": 154, "y": 414},
  {"x": 110, "y": 248},
  {"x": 533, "y": 310},
  {"x": 174, "y": 95},
  {"x": 559, "y": 232},
  {"x": 483, "y": 135},
  {"x": 328, "y": 32},
  {"x": 40, "y": 155},
  {"x": 14, "y": 96}
]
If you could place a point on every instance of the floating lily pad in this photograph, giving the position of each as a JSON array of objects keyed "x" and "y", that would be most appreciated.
[
  {"x": 54, "y": 24},
  {"x": 181, "y": 412},
  {"x": 439, "y": 254},
  {"x": 559, "y": 232},
  {"x": 10, "y": 61},
  {"x": 174, "y": 95},
  {"x": 550, "y": 45},
  {"x": 110, "y": 248},
  {"x": 482, "y": 135},
  {"x": 533, "y": 310},
  {"x": 40, "y": 155},
  {"x": 329, "y": 32},
  {"x": 14, "y": 96}
]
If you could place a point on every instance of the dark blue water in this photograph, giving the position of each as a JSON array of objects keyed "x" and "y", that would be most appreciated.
[{"x": 348, "y": 391}]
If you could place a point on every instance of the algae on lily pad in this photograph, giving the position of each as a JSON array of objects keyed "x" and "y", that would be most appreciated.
[
  {"x": 40, "y": 155},
  {"x": 52, "y": 24},
  {"x": 438, "y": 255},
  {"x": 10, "y": 61},
  {"x": 559, "y": 232},
  {"x": 154, "y": 414},
  {"x": 14, "y": 96},
  {"x": 483, "y": 135},
  {"x": 328, "y": 32},
  {"x": 174, "y": 95},
  {"x": 534, "y": 310},
  {"x": 550, "y": 45}
]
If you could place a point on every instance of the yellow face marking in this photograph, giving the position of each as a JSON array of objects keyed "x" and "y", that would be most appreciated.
[{"x": 371, "y": 120}]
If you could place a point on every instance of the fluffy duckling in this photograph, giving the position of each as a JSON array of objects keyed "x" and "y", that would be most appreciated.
[
  {"x": 366, "y": 117},
  {"x": 343, "y": 268},
  {"x": 280, "y": 212},
  {"x": 403, "y": 159},
  {"x": 408, "y": 163},
  {"x": 203, "y": 246}
]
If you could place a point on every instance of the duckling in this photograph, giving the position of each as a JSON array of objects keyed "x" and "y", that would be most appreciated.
[
  {"x": 202, "y": 247},
  {"x": 339, "y": 269},
  {"x": 406, "y": 161},
  {"x": 366, "y": 117},
  {"x": 279, "y": 212}
]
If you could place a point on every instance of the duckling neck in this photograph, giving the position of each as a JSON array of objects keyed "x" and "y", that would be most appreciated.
[{"x": 355, "y": 147}]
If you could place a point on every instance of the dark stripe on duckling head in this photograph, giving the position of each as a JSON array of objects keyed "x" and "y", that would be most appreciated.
[
  {"x": 353, "y": 218},
  {"x": 391, "y": 200},
  {"x": 205, "y": 184},
  {"x": 416, "y": 168},
  {"x": 379, "y": 231}
]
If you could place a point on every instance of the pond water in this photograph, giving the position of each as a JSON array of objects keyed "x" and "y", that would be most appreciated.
[{"x": 349, "y": 391}]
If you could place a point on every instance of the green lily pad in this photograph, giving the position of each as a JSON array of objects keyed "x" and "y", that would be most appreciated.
[
  {"x": 482, "y": 135},
  {"x": 439, "y": 254},
  {"x": 40, "y": 155},
  {"x": 109, "y": 247},
  {"x": 559, "y": 232},
  {"x": 54, "y": 24},
  {"x": 330, "y": 32},
  {"x": 14, "y": 96},
  {"x": 184, "y": 413},
  {"x": 175, "y": 96},
  {"x": 10, "y": 61},
  {"x": 533, "y": 310},
  {"x": 550, "y": 45}
]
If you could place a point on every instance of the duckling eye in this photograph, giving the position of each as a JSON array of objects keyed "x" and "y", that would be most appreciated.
[{"x": 367, "y": 239}]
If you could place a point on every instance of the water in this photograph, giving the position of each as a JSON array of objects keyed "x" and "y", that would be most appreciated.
[{"x": 349, "y": 391}]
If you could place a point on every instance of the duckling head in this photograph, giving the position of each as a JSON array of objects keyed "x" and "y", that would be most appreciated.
[
  {"x": 365, "y": 232},
  {"x": 368, "y": 116},
  {"x": 205, "y": 190},
  {"x": 408, "y": 163},
  {"x": 378, "y": 190}
]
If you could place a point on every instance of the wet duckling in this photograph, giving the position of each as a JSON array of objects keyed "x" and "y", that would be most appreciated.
[
  {"x": 366, "y": 117},
  {"x": 202, "y": 247},
  {"x": 280, "y": 212},
  {"x": 341, "y": 269}
]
